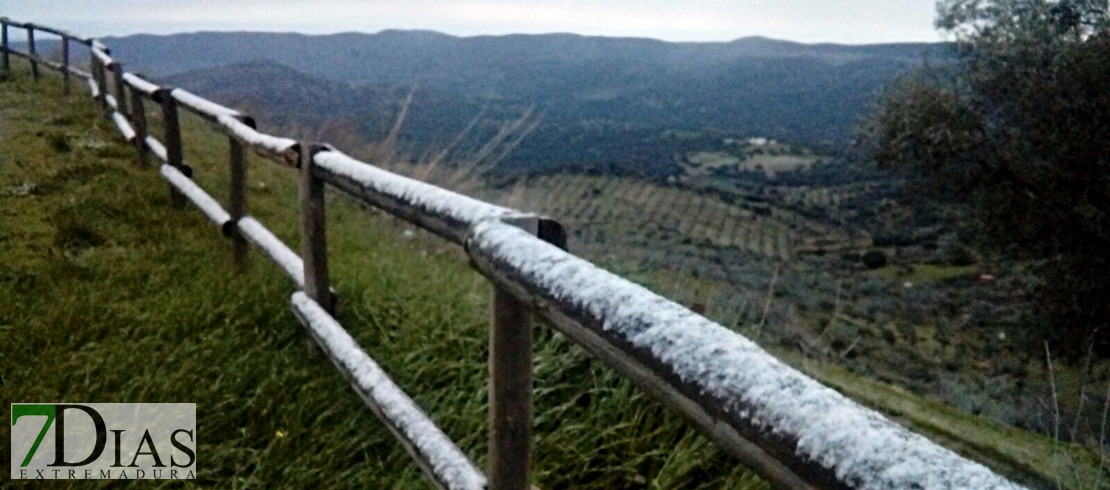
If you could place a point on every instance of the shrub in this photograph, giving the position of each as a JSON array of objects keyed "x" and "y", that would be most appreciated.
[{"x": 874, "y": 259}]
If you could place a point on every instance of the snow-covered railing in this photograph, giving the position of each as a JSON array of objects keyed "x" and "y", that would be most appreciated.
[
  {"x": 57, "y": 32},
  {"x": 429, "y": 446},
  {"x": 123, "y": 126},
  {"x": 445, "y": 213},
  {"x": 237, "y": 125},
  {"x": 32, "y": 55},
  {"x": 790, "y": 429},
  {"x": 207, "y": 205},
  {"x": 772, "y": 417},
  {"x": 101, "y": 55},
  {"x": 136, "y": 82},
  {"x": 204, "y": 107}
]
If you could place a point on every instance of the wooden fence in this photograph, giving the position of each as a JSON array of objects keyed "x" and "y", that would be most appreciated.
[{"x": 793, "y": 431}]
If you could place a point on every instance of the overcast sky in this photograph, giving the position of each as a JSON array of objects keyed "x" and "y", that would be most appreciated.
[{"x": 839, "y": 21}]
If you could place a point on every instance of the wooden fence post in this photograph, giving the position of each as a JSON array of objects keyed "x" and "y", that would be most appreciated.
[
  {"x": 92, "y": 70},
  {"x": 510, "y": 367},
  {"x": 32, "y": 52},
  {"x": 314, "y": 237},
  {"x": 117, "y": 77},
  {"x": 5, "y": 62},
  {"x": 510, "y": 393},
  {"x": 237, "y": 201},
  {"x": 172, "y": 127},
  {"x": 65, "y": 64},
  {"x": 97, "y": 69},
  {"x": 102, "y": 85},
  {"x": 138, "y": 120}
]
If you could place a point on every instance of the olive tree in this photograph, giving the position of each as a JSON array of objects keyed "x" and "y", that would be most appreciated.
[{"x": 1016, "y": 131}]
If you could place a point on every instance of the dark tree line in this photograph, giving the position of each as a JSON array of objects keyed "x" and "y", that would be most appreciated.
[{"x": 1017, "y": 131}]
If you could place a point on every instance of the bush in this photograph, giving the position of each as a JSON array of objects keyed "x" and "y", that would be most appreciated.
[
  {"x": 957, "y": 255},
  {"x": 902, "y": 238},
  {"x": 874, "y": 259}
]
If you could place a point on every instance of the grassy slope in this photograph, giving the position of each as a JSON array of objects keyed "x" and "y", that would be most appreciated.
[
  {"x": 1032, "y": 459},
  {"x": 108, "y": 294}
]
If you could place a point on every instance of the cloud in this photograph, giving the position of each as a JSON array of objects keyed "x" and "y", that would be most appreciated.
[
  {"x": 848, "y": 21},
  {"x": 584, "y": 18}
]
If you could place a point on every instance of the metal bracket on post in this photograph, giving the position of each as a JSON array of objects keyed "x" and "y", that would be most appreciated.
[{"x": 314, "y": 236}]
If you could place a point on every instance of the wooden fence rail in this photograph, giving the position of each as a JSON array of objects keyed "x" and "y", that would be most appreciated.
[
  {"x": 432, "y": 450},
  {"x": 793, "y": 431}
]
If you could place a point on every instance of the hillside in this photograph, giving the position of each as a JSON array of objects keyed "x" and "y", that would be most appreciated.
[
  {"x": 403, "y": 57},
  {"x": 610, "y": 91},
  {"x": 290, "y": 101}
]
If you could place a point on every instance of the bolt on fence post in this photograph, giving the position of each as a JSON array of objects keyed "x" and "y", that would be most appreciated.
[
  {"x": 314, "y": 237},
  {"x": 31, "y": 51},
  {"x": 5, "y": 62},
  {"x": 237, "y": 201},
  {"x": 172, "y": 127},
  {"x": 138, "y": 120},
  {"x": 65, "y": 64}
]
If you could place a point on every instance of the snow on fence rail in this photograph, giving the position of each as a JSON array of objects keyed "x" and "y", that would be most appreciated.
[
  {"x": 429, "y": 446},
  {"x": 721, "y": 380},
  {"x": 445, "y": 213},
  {"x": 790, "y": 429}
]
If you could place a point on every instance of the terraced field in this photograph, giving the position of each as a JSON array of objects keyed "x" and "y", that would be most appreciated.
[
  {"x": 640, "y": 210},
  {"x": 830, "y": 200}
]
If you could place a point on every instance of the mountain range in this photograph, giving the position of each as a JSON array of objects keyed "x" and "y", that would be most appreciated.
[{"x": 597, "y": 96}]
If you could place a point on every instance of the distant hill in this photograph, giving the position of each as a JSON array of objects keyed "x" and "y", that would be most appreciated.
[
  {"x": 630, "y": 89},
  {"x": 292, "y": 102}
]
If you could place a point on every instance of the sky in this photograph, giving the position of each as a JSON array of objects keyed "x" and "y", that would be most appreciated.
[{"x": 809, "y": 21}]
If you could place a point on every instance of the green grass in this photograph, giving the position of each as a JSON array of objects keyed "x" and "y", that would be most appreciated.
[
  {"x": 925, "y": 272},
  {"x": 109, "y": 294},
  {"x": 1035, "y": 460}
]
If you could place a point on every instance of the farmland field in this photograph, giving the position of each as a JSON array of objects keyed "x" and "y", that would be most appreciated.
[{"x": 635, "y": 209}]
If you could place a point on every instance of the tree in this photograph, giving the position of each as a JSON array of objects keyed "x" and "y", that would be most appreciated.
[{"x": 1017, "y": 132}]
